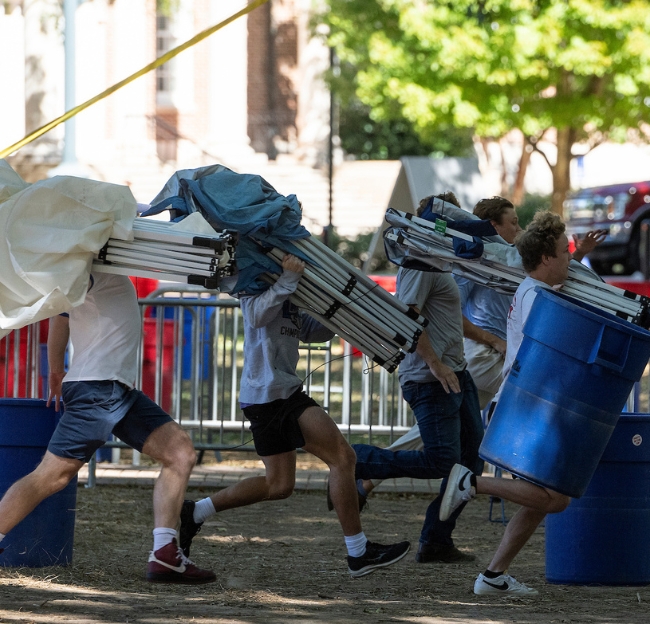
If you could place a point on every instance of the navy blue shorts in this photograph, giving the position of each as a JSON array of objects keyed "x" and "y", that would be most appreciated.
[
  {"x": 96, "y": 409},
  {"x": 275, "y": 425}
]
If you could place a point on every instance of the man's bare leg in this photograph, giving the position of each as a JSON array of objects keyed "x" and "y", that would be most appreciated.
[
  {"x": 324, "y": 440},
  {"x": 172, "y": 447},
  {"x": 518, "y": 531},
  {"x": 523, "y": 493},
  {"x": 536, "y": 502},
  {"x": 49, "y": 477},
  {"x": 278, "y": 483}
]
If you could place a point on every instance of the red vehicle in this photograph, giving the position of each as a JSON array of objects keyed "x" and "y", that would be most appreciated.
[{"x": 617, "y": 208}]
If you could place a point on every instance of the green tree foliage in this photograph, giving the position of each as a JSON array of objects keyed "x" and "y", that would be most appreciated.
[
  {"x": 566, "y": 70},
  {"x": 530, "y": 205},
  {"x": 381, "y": 139},
  {"x": 388, "y": 135}
]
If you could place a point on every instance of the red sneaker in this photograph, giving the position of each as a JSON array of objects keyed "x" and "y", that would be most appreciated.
[{"x": 169, "y": 565}]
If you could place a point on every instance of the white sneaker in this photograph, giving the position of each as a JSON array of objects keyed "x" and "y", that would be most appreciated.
[
  {"x": 459, "y": 490},
  {"x": 503, "y": 585}
]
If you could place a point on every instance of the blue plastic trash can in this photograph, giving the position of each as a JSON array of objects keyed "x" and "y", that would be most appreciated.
[
  {"x": 565, "y": 392},
  {"x": 604, "y": 537},
  {"x": 45, "y": 537},
  {"x": 204, "y": 347}
]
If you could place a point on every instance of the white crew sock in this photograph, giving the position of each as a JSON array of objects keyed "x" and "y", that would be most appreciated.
[
  {"x": 2, "y": 536},
  {"x": 203, "y": 509},
  {"x": 356, "y": 544},
  {"x": 162, "y": 536}
]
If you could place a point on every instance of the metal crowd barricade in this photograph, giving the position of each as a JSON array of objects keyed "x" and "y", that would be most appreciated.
[
  {"x": 190, "y": 362},
  {"x": 190, "y": 359}
]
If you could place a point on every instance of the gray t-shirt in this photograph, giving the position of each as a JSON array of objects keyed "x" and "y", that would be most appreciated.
[
  {"x": 273, "y": 329},
  {"x": 437, "y": 297}
]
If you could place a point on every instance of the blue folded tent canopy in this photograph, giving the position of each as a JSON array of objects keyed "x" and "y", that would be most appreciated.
[{"x": 245, "y": 203}]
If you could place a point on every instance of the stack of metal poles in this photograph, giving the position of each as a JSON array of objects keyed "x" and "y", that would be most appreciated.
[
  {"x": 421, "y": 239},
  {"x": 160, "y": 251},
  {"x": 349, "y": 303}
]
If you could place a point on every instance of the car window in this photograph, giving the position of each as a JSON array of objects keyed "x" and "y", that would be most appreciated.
[
  {"x": 610, "y": 207},
  {"x": 578, "y": 208},
  {"x": 596, "y": 207}
]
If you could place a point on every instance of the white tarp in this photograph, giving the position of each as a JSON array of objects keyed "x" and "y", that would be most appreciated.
[{"x": 51, "y": 230}]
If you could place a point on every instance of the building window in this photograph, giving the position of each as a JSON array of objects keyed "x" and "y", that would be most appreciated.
[{"x": 165, "y": 41}]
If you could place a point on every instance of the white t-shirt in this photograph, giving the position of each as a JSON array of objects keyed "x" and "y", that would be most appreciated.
[
  {"x": 522, "y": 302},
  {"x": 105, "y": 332}
]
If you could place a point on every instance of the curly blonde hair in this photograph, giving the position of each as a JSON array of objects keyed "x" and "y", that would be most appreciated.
[{"x": 539, "y": 239}]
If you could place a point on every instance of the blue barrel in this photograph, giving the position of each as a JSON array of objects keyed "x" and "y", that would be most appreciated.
[
  {"x": 45, "y": 536},
  {"x": 604, "y": 537},
  {"x": 204, "y": 318},
  {"x": 573, "y": 372}
]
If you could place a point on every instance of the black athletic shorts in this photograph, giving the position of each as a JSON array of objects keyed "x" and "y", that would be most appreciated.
[{"x": 275, "y": 425}]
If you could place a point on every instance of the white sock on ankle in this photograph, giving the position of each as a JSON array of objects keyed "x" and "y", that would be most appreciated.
[
  {"x": 356, "y": 544},
  {"x": 203, "y": 510},
  {"x": 162, "y": 536},
  {"x": 2, "y": 536}
]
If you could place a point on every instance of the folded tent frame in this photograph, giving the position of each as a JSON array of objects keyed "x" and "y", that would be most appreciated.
[
  {"x": 433, "y": 245},
  {"x": 160, "y": 251},
  {"x": 349, "y": 303}
]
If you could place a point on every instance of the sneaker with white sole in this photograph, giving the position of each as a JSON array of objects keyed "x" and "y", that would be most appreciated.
[
  {"x": 169, "y": 565},
  {"x": 377, "y": 556},
  {"x": 459, "y": 490},
  {"x": 503, "y": 585}
]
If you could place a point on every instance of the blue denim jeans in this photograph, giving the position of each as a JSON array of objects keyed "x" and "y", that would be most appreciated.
[{"x": 451, "y": 430}]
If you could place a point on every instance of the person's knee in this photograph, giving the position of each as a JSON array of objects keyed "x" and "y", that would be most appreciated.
[
  {"x": 54, "y": 473},
  {"x": 179, "y": 453},
  {"x": 54, "y": 481},
  {"x": 185, "y": 457},
  {"x": 279, "y": 490},
  {"x": 344, "y": 459},
  {"x": 62, "y": 481},
  {"x": 558, "y": 503}
]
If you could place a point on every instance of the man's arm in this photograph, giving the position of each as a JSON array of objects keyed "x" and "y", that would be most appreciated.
[
  {"x": 473, "y": 332},
  {"x": 57, "y": 341},
  {"x": 262, "y": 309},
  {"x": 443, "y": 373}
]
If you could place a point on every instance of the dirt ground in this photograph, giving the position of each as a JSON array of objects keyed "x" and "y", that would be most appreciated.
[{"x": 284, "y": 562}]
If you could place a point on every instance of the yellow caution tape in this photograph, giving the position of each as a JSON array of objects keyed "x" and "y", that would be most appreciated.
[{"x": 157, "y": 63}]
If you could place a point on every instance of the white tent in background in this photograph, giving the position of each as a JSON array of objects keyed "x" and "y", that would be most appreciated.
[{"x": 420, "y": 176}]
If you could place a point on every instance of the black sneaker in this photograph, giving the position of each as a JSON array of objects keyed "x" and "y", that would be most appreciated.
[
  {"x": 376, "y": 556},
  {"x": 363, "y": 500},
  {"x": 189, "y": 528},
  {"x": 441, "y": 553}
]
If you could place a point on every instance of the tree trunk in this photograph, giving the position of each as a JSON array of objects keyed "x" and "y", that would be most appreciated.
[
  {"x": 505, "y": 189},
  {"x": 518, "y": 187},
  {"x": 561, "y": 170}
]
